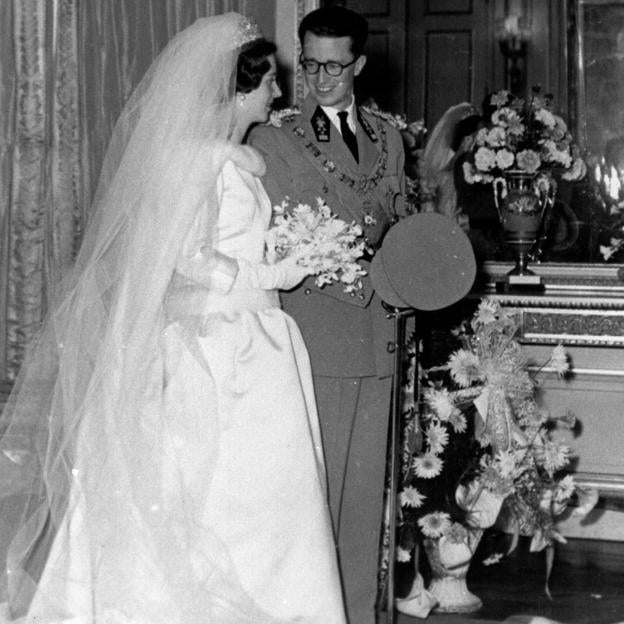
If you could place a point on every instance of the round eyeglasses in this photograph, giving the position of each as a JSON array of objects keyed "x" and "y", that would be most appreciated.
[{"x": 332, "y": 68}]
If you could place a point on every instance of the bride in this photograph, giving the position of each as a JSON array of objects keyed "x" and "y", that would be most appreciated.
[{"x": 163, "y": 441}]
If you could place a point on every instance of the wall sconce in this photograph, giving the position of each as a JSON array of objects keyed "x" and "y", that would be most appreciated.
[{"x": 513, "y": 39}]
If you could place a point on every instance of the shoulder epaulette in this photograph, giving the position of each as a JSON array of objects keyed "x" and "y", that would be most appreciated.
[{"x": 397, "y": 121}]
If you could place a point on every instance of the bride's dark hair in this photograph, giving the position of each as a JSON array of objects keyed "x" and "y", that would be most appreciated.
[{"x": 252, "y": 64}]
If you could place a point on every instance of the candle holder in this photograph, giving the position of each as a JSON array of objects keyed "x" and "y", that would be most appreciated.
[{"x": 513, "y": 41}]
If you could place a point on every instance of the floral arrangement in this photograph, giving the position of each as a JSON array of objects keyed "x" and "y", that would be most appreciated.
[
  {"x": 522, "y": 135},
  {"x": 320, "y": 240},
  {"x": 484, "y": 450}
]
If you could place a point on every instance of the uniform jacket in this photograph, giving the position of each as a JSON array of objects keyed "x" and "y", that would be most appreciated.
[{"x": 347, "y": 335}]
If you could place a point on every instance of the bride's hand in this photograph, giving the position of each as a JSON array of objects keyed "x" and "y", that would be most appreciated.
[{"x": 283, "y": 275}]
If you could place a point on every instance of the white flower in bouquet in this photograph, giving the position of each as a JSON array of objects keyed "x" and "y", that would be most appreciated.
[{"x": 320, "y": 241}]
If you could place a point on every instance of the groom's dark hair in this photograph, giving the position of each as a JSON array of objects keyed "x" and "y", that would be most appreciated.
[{"x": 336, "y": 21}]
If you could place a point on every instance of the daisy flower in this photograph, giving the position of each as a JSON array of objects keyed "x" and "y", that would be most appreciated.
[
  {"x": 458, "y": 421},
  {"x": 437, "y": 438},
  {"x": 427, "y": 466},
  {"x": 565, "y": 488},
  {"x": 411, "y": 497},
  {"x": 555, "y": 456},
  {"x": 435, "y": 524},
  {"x": 487, "y": 311},
  {"x": 440, "y": 402},
  {"x": 465, "y": 367}
]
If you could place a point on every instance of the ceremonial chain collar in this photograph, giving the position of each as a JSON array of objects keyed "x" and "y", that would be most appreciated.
[{"x": 366, "y": 183}]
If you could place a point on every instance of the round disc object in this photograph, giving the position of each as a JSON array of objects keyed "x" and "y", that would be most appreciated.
[
  {"x": 429, "y": 261},
  {"x": 382, "y": 284}
]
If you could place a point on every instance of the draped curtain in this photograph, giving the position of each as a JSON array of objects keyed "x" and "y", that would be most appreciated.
[{"x": 66, "y": 69}]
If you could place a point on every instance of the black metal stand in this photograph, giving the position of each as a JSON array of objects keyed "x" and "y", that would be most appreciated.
[{"x": 400, "y": 316}]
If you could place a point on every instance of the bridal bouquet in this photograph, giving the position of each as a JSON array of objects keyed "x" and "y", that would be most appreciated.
[{"x": 320, "y": 240}]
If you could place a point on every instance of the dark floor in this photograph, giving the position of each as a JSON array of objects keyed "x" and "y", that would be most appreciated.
[{"x": 587, "y": 586}]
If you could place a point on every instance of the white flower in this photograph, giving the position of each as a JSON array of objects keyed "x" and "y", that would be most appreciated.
[
  {"x": 504, "y": 159},
  {"x": 402, "y": 555},
  {"x": 497, "y": 137},
  {"x": 485, "y": 159},
  {"x": 500, "y": 117},
  {"x": 427, "y": 466},
  {"x": 437, "y": 438},
  {"x": 559, "y": 360},
  {"x": 440, "y": 402},
  {"x": 487, "y": 311},
  {"x": 458, "y": 421},
  {"x": 465, "y": 367},
  {"x": 321, "y": 241},
  {"x": 546, "y": 117},
  {"x": 411, "y": 497},
  {"x": 277, "y": 116},
  {"x": 554, "y": 456},
  {"x": 505, "y": 462},
  {"x": 482, "y": 135},
  {"x": 435, "y": 524},
  {"x": 565, "y": 488},
  {"x": 528, "y": 160},
  {"x": 578, "y": 170},
  {"x": 492, "y": 559}
]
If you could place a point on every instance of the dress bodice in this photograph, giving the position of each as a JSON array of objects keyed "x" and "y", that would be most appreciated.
[
  {"x": 207, "y": 264},
  {"x": 244, "y": 214}
]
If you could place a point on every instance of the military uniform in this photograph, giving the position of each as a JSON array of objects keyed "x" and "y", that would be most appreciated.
[{"x": 347, "y": 335}]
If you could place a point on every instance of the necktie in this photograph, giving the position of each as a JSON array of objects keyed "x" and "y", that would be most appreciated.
[{"x": 347, "y": 134}]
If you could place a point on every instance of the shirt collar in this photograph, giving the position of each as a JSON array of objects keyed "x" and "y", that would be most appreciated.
[{"x": 332, "y": 113}]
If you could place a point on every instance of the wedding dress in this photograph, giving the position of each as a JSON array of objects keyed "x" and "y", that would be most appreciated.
[
  {"x": 161, "y": 461},
  {"x": 234, "y": 364}
]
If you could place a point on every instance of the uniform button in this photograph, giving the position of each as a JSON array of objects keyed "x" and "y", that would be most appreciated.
[
  {"x": 307, "y": 291},
  {"x": 352, "y": 294}
]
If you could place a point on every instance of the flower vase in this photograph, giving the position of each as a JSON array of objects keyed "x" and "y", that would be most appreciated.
[
  {"x": 450, "y": 559},
  {"x": 521, "y": 200}
]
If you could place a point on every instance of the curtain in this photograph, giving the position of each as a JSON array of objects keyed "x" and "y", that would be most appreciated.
[{"x": 66, "y": 69}]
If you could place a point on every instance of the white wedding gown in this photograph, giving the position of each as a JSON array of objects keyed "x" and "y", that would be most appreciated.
[{"x": 238, "y": 396}]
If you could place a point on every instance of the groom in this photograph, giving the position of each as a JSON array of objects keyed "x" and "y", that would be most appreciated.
[{"x": 352, "y": 159}]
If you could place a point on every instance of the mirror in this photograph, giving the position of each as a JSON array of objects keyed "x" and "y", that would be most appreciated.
[
  {"x": 587, "y": 222},
  {"x": 596, "y": 48}
]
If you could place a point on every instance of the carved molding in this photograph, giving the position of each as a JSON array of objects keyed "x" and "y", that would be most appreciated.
[{"x": 580, "y": 304}]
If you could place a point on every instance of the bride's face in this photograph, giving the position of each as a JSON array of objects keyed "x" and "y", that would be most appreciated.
[{"x": 257, "y": 103}]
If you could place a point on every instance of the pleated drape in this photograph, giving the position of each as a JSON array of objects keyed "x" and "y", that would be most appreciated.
[{"x": 66, "y": 69}]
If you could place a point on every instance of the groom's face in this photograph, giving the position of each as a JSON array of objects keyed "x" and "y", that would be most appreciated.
[{"x": 327, "y": 90}]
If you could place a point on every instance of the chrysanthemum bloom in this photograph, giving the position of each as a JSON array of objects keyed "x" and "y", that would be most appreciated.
[
  {"x": 465, "y": 367},
  {"x": 411, "y": 497},
  {"x": 528, "y": 161},
  {"x": 437, "y": 438},
  {"x": 435, "y": 524},
  {"x": 427, "y": 466},
  {"x": 504, "y": 159}
]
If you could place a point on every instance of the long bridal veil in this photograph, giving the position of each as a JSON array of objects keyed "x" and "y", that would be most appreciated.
[{"x": 87, "y": 460}]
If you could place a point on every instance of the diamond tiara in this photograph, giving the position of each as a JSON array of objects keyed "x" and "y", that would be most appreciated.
[{"x": 247, "y": 31}]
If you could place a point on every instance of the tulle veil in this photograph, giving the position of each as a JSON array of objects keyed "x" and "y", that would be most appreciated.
[{"x": 86, "y": 437}]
